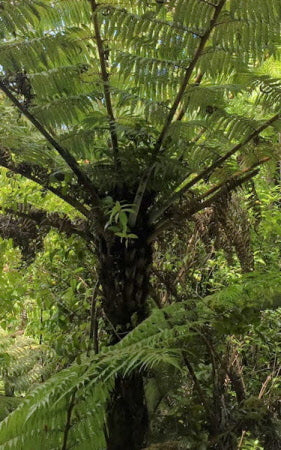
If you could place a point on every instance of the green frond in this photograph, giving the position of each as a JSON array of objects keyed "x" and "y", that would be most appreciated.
[
  {"x": 151, "y": 35},
  {"x": 158, "y": 341},
  {"x": 20, "y": 15},
  {"x": 234, "y": 126},
  {"x": 73, "y": 12},
  {"x": 138, "y": 105},
  {"x": 147, "y": 51},
  {"x": 138, "y": 68},
  {"x": 46, "y": 84},
  {"x": 65, "y": 110},
  {"x": 49, "y": 49},
  {"x": 84, "y": 143},
  {"x": 21, "y": 362},
  {"x": 193, "y": 13}
]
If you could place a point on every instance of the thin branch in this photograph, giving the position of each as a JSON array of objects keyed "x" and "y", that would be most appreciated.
[
  {"x": 265, "y": 384},
  {"x": 157, "y": 212},
  {"x": 68, "y": 421},
  {"x": 240, "y": 445},
  {"x": 188, "y": 74},
  {"x": 106, "y": 86},
  {"x": 64, "y": 153},
  {"x": 93, "y": 335},
  {"x": 196, "y": 383}
]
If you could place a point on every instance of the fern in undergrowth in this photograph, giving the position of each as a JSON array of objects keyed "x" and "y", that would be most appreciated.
[
  {"x": 69, "y": 409},
  {"x": 23, "y": 363}
]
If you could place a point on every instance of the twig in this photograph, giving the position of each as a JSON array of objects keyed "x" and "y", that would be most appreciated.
[
  {"x": 196, "y": 383},
  {"x": 68, "y": 421},
  {"x": 241, "y": 440},
  {"x": 93, "y": 335},
  {"x": 264, "y": 385}
]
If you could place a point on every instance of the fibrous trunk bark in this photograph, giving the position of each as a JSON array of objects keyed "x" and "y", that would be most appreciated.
[
  {"x": 124, "y": 277},
  {"x": 127, "y": 420}
]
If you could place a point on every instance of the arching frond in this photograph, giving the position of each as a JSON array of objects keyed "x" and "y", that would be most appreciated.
[
  {"x": 51, "y": 58},
  {"x": 71, "y": 405}
]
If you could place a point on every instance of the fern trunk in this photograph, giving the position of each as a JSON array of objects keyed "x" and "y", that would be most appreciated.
[
  {"x": 127, "y": 419},
  {"x": 124, "y": 277}
]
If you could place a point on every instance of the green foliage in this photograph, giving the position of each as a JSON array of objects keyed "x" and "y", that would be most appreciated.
[
  {"x": 22, "y": 363},
  {"x": 164, "y": 339},
  {"x": 118, "y": 218},
  {"x": 51, "y": 50},
  {"x": 10, "y": 280},
  {"x": 145, "y": 96}
]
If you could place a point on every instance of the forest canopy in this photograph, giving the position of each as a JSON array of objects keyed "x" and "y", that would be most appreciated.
[{"x": 140, "y": 224}]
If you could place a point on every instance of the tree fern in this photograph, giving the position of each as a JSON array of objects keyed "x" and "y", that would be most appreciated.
[{"x": 136, "y": 103}]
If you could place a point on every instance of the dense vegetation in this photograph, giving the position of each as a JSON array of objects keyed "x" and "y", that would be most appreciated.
[{"x": 140, "y": 224}]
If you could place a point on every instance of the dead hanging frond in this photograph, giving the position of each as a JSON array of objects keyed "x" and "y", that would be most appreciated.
[
  {"x": 225, "y": 225},
  {"x": 25, "y": 234},
  {"x": 28, "y": 226},
  {"x": 212, "y": 234},
  {"x": 254, "y": 203},
  {"x": 235, "y": 222},
  {"x": 20, "y": 85}
]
